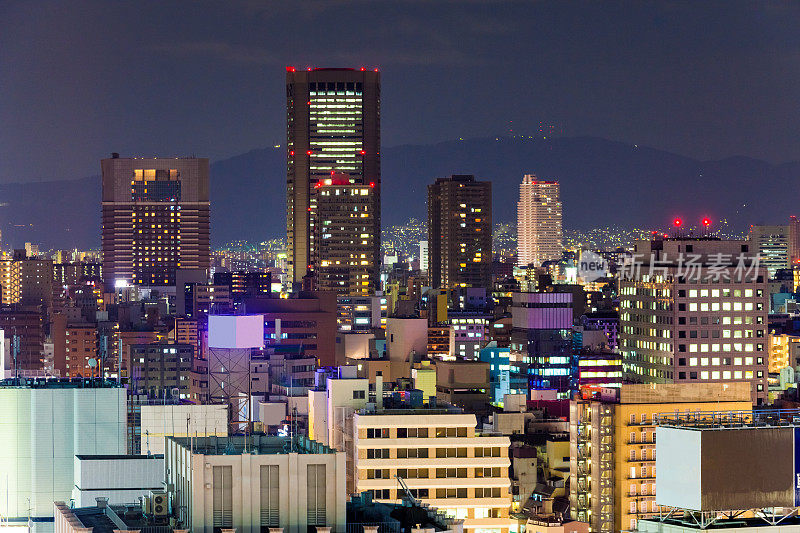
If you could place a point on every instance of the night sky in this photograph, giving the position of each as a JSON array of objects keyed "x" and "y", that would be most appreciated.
[{"x": 79, "y": 80}]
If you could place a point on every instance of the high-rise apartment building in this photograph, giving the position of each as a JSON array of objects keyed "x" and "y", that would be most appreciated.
[
  {"x": 36, "y": 282},
  {"x": 772, "y": 245},
  {"x": 347, "y": 233},
  {"x": 333, "y": 125},
  {"x": 9, "y": 281},
  {"x": 538, "y": 221},
  {"x": 612, "y": 481},
  {"x": 155, "y": 219},
  {"x": 695, "y": 310},
  {"x": 460, "y": 232}
]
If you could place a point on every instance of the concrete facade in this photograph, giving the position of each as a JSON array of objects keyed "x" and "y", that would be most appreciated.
[
  {"x": 161, "y": 421},
  {"x": 249, "y": 486},
  {"x": 42, "y": 428}
]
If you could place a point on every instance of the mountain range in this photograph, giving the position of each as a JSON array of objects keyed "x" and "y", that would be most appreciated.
[{"x": 603, "y": 184}]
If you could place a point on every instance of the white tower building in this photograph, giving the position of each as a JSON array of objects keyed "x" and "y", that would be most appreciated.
[{"x": 539, "y": 231}]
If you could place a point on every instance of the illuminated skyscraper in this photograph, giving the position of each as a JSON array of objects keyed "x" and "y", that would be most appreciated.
[
  {"x": 773, "y": 244},
  {"x": 460, "y": 232},
  {"x": 794, "y": 240},
  {"x": 346, "y": 232},
  {"x": 538, "y": 221},
  {"x": 155, "y": 219},
  {"x": 333, "y": 125}
]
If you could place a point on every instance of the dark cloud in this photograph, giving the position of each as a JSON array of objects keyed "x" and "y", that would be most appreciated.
[
  {"x": 86, "y": 77},
  {"x": 219, "y": 50}
]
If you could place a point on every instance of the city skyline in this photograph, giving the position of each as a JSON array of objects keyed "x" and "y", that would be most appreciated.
[{"x": 539, "y": 330}]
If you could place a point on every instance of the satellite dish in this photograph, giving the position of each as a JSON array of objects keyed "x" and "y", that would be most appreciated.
[{"x": 92, "y": 362}]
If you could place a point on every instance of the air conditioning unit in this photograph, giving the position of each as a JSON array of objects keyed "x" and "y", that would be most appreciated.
[{"x": 159, "y": 503}]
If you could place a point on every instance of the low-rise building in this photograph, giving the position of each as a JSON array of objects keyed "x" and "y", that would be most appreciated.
[
  {"x": 464, "y": 384},
  {"x": 179, "y": 420},
  {"x": 359, "y": 314},
  {"x": 467, "y": 334},
  {"x": 104, "y": 517},
  {"x": 160, "y": 370},
  {"x": 329, "y": 405},
  {"x": 255, "y": 482},
  {"x": 783, "y": 350},
  {"x": 441, "y": 458},
  {"x": 120, "y": 479}
]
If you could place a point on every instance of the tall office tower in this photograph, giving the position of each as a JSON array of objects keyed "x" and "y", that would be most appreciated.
[
  {"x": 346, "y": 233},
  {"x": 794, "y": 240},
  {"x": 695, "y": 310},
  {"x": 155, "y": 219},
  {"x": 612, "y": 459},
  {"x": 460, "y": 232},
  {"x": 333, "y": 125},
  {"x": 772, "y": 244},
  {"x": 538, "y": 221}
]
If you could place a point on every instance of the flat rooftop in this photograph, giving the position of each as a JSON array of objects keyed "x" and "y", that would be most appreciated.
[
  {"x": 252, "y": 444},
  {"x": 717, "y": 420},
  {"x": 110, "y": 518},
  {"x": 59, "y": 383},
  {"x": 117, "y": 457}
]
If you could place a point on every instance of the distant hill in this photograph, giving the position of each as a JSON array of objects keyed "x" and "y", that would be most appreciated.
[{"x": 603, "y": 183}]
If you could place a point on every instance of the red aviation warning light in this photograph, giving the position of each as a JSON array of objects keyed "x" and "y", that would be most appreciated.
[
  {"x": 706, "y": 222},
  {"x": 677, "y": 222}
]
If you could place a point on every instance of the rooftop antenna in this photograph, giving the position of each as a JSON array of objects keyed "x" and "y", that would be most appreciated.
[
  {"x": 706, "y": 226},
  {"x": 677, "y": 223}
]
